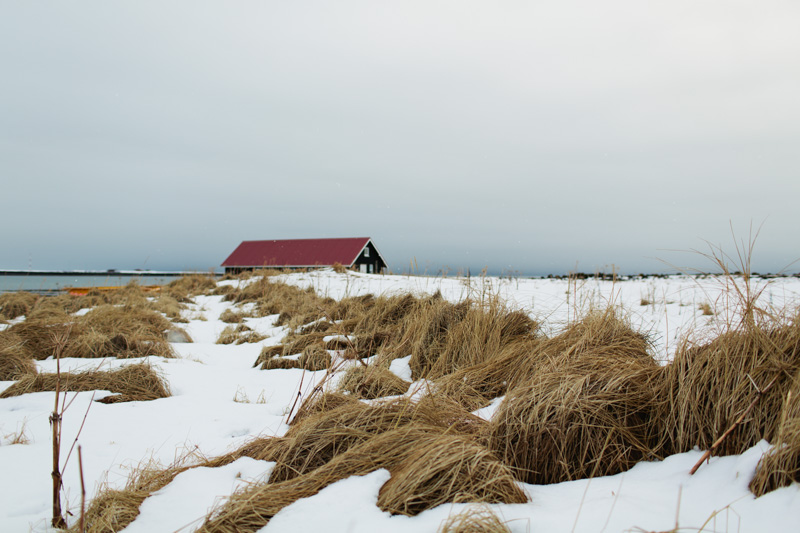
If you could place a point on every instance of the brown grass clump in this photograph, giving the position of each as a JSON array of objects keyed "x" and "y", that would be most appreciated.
[
  {"x": 252, "y": 508},
  {"x": 585, "y": 409},
  {"x": 368, "y": 344},
  {"x": 338, "y": 343},
  {"x": 171, "y": 307},
  {"x": 39, "y": 335},
  {"x": 251, "y": 292},
  {"x": 443, "y": 337},
  {"x": 299, "y": 343},
  {"x": 320, "y": 326},
  {"x": 372, "y": 381},
  {"x": 15, "y": 359},
  {"x": 48, "y": 313},
  {"x": 239, "y": 335},
  {"x": 317, "y": 436},
  {"x": 114, "y": 510},
  {"x": 231, "y": 317},
  {"x": 475, "y": 386},
  {"x": 448, "y": 468},
  {"x": 138, "y": 382},
  {"x": 709, "y": 385},
  {"x": 386, "y": 313},
  {"x": 284, "y": 363},
  {"x": 780, "y": 467},
  {"x": 62, "y": 303},
  {"x": 427, "y": 333},
  {"x": 122, "y": 332},
  {"x": 91, "y": 343},
  {"x": 14, "y": 304},
  {"x": 318, "y": 403},
  {"x": 267, "y": 353},
  {"x": 314, "y": 358},
  {"x": 474, "y": 519},
  {"x": 295, "y": 306},
  {"x": 186, "y": 287}
]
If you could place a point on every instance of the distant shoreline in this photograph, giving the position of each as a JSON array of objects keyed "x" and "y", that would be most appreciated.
[{"x": 160, "y": 273}]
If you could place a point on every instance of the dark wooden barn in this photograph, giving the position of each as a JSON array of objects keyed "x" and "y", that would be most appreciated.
[{"x": 358, "y": 253}]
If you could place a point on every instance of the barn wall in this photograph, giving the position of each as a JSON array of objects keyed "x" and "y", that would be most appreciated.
[{"x": 369, "y": 256}]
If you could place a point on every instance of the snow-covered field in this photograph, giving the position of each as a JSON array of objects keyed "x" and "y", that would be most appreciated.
[{"x": 219, "y": 401}]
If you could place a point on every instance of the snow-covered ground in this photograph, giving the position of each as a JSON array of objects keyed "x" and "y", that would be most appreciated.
[{"x": 219, "y": 401}]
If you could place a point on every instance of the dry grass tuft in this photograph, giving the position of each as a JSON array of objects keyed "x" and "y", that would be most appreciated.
[
  {"x": 105, "y": 331},
  {"x": 252, "y": 508},
  {"x": 122, "y": 332},
  {"x": 320, "y": 326},
  {"x": 780, "y": 467},
  {"x": 137, "y": 382},
  {"x": 443, "y": 337},
  {"x": 317, "y": 438},
  {"x": 474, "y": 519},
  {"x": 14, "y": 304},
  {"x": 314, "y": 358},
  {"x": 185, "y": 287},
  {"x": 171, "y": 308},
  {"x": 338, "y": 343},
  {"x": 231, "y": 317},
  {"x": 16, "y": 360},
  {"x": 709, "y": 385},
  {"x": 372, "y": 381},
  {"x": 275, "y": 363},
  {"x": 475, "y": 386},
  {"x": 448, "y": 468},
  {"x": 268, "y": 352},
  {"x": 114, "y": 510},
  {"x": 584, "y": 408},
  {"x": 239, "y": 335},
  {"x": 300, "y": 342},
  {"x": 318, "y": 403},
  {"x": 317, "y": 435}
]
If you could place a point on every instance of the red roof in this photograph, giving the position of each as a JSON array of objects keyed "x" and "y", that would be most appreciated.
[{"x": 296, "y": 252}]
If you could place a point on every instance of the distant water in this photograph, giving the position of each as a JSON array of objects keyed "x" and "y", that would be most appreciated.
[{"x": 9, "y": 282}]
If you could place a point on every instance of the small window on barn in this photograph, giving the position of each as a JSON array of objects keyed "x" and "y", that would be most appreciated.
[{"x": 366, "y": 252}]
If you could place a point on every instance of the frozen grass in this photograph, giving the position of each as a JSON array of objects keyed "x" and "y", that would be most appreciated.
[
  {"x": 15, "y": 359},
  {"x": 584, "y": 397},
  {"x": 132, "y": 383}
]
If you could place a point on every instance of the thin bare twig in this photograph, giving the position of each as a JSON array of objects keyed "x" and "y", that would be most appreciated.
[{"x": 83, "y": 492}]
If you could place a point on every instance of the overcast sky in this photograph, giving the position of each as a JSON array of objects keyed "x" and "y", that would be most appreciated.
[{"x": 535, "y": 136}]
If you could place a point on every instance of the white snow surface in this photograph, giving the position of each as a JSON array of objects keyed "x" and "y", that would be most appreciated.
[{"x": 219, "y": 401}]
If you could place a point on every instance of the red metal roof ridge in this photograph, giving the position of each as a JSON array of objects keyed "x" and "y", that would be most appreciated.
[{"x": 299, "y": 252}]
